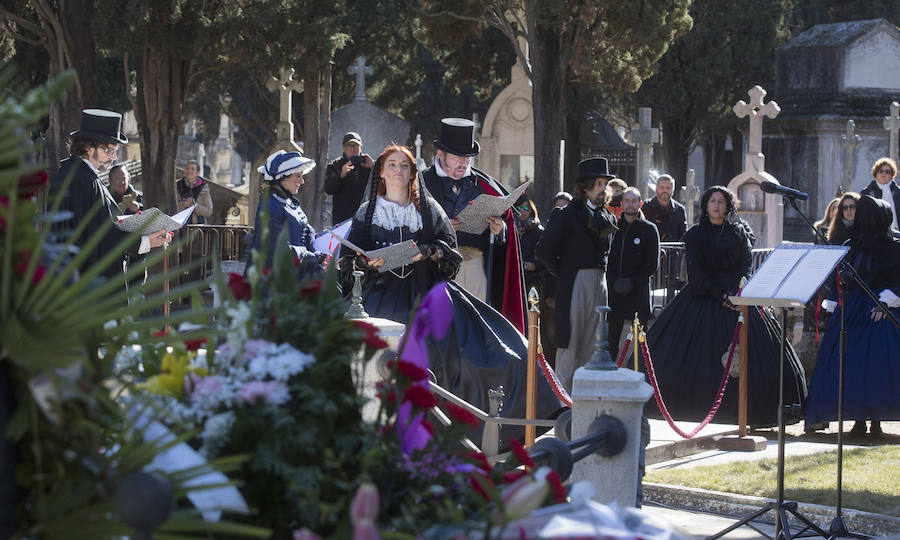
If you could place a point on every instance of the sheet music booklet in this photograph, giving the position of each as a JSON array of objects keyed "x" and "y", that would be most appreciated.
[
  {"x": 395, "y": 255},
  {"x": 473, "y": 216},
  {"x": 153, "y": 220}
]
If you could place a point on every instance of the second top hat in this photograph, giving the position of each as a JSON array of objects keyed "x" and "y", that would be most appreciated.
[
  {"x": 595, "y": 167},
  {"x": 101, "y": 125},
  {"x": 458, "y": 137}
]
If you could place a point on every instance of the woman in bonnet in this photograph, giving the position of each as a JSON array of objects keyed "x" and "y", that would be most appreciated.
[{"x": 284, "y": 172}]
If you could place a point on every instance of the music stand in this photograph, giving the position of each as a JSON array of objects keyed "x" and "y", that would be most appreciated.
[{"x": 788, "y": 278}]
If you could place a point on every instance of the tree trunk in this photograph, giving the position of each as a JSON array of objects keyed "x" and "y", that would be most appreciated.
[
  {"x": 548, "y": 98},
  {"x": 575, "y": 119},
  {"x": 675, "y": 147},
  {"x": 162, "y": 80},
  {"x": 316, "y": 127}
]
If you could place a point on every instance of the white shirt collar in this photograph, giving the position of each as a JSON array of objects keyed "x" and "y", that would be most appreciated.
[
  {"x": 590, "y": 205},
  {"x": 91, "y": 165},
  {"x": 440, "y": 171}
]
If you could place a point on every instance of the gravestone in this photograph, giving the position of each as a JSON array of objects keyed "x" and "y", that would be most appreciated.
[
  {"x": 825, "y": 76},
  {"x": 850, "y": 142},
  {"x": 690, "y": 196},
  {"x": 764, "y": 212},
  {"x": 644, "y": 137},
  {"x": 892, "y": 124},
  {"x": 377, "y": 127}
]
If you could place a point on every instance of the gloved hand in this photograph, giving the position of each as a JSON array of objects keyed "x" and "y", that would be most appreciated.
[
  {"x": 829, "y": 305},
  {"x": 888, "y": 297},
  {"x": 622, "y": 286}
]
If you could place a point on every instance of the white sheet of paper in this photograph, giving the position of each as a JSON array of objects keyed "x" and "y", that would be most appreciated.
[
  {"x": 765, "y": 281},
  {"x": 151, "y": 220},
  {"x": 811, "y": 272},
  {"x": 184, "y": 215},
  {"x": 327, "y": 242}
]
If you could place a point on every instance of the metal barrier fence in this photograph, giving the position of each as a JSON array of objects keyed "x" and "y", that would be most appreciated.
[
  {"x": 671, "y": 275},
  {"x": 231, "y": 242}
]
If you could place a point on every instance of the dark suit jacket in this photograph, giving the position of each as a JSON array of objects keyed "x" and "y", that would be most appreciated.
[
  {"x": 84, "y": 193},
  {"x": 634, "y": 255},
  {"x": 347, "y": 193},
  {"x": 573, "y": 240}
]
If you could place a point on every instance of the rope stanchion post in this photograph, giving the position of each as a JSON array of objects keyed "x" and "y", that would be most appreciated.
[
  {"x": 742, "y": 389},
  {"x": 635, "y": 330},
  {"x": 534, "y": 345}
]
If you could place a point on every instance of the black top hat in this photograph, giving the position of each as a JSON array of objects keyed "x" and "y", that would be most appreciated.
[
  {"x": 595, "y": 167},
  {"x": 100, "y": 125},
  {"x": 458, "y": 137}
]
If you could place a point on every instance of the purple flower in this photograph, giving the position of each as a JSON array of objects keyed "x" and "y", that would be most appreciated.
[
  {"x": 274, "y": 393},
  {"x": 433, "y": 318},
  {"x": 413, "y": 435},
  {"x": 204, "y": 387}
]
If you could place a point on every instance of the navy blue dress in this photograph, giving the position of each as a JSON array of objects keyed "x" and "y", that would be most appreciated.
[
  {"x": 871, "y": 368},
  {"x": 285, "y": 213}
]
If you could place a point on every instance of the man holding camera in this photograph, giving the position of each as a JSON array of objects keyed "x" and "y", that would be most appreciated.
[{"x": 346, "y": 178}]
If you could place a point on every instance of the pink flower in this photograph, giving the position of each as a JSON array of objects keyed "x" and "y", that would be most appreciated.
[
  {"x": 365, "y": 504},
  {"x": 273, "y": 392},
  {"x": 365, "y": 530},
  {"x": 305, "y": 534},
  {"x": 205, "y": 386}
]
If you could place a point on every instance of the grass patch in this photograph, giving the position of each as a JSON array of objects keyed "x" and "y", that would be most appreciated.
[{"x": 871, "y": 478}]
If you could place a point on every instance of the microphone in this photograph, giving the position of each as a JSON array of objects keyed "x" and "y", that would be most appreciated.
[{"x": 790, "y": 193}]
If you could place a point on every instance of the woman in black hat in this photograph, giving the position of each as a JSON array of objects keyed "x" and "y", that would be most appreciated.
[
  {"x": 482, "y": 350},
  {"x": 689, "y": 342},
  {"x": 871, "y": 376}
]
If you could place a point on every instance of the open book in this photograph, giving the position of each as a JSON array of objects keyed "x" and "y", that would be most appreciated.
[
  {"x": 154, "y": 220},
  {"x": 394, "y": 256},
  {"x": 472, "y": 217},
  {"x": 790, "y": 275}
]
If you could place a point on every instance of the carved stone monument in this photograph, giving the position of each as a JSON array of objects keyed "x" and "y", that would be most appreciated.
[
  {"x": 644, "y": 137},
  {"x": 892, "y": 124}
]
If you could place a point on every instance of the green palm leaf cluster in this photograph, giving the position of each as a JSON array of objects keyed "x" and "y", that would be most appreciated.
[{"x": 73, "y": 442}]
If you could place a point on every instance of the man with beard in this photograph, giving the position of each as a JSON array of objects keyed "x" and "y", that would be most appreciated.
[
  {"x": 633, "y": 258},
  {"x": 453, "y": 183},
  {"x": 574, "y": 249},
  {"x": 92, "y": 150},
  {"x": 665, "y": 212}
]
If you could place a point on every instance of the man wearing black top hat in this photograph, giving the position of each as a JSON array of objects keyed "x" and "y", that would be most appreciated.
[
  {"x": 346, "y": 178},
  {"x": 453, "y": 182},
  {"x": 574, "y": 249},
  {"x": 92, "y": 149}
]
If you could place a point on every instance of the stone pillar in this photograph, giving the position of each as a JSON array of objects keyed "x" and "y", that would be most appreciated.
[
  {"x": 622, "y": 394},
  {"x": 367, "y": 374}
]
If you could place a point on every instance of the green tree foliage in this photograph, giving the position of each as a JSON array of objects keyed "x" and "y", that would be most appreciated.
[
  {"x": 729, "y": 49},
  {"x": 601, "y": 42}
]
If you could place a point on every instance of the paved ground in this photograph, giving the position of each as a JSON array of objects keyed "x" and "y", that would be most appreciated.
[{"x": 668, "y": 450}]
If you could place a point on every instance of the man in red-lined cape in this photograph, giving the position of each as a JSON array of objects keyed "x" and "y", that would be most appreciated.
[{"x": 453, "y": 182}]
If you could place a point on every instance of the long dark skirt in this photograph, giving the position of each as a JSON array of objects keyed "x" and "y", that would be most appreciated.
[
  {"x": 871, "y": 366},
  {"x": 689, "y": 343}
]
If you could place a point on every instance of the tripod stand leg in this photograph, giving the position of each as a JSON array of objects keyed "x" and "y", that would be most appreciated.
[{"x": 746, "y": 520}]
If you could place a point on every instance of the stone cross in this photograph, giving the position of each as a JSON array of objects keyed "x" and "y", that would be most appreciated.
[
  {"x": 892, "y": 124},
  {"x": 644, "y": 137},
  {"x": 418, "y": 144},
  {"x": 360, "y": 69},
  {"x": 850, "y": 142},
  {"x": 285, "y": 85},
  {"x": 756, "y": 110},
  {"x": 690, "y": 194}
]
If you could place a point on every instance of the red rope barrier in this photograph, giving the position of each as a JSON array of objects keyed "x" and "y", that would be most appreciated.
[
  {"x": 624, "y": 351},
  {"x": 721, "y": 392},
  {"x": 553, "y": 381}
]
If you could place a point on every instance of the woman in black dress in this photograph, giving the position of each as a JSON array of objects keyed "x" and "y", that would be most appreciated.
[
  {"x": 689, "y": 341},
  {"x": 482, "y": 350}
]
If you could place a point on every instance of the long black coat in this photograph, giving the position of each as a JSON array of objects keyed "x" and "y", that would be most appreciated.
[
  {"x": 347, "y": 193},
  {"x": 573, "y": 240},
  {"x": 634, "y": 255},
  {"x": 670, "y": 220},
  {"x": 85, "y": 191}
]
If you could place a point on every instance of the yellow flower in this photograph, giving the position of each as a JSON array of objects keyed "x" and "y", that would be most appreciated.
[{"x": 173, "y": 369}]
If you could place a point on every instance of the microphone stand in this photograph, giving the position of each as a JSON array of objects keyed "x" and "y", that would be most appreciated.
[{"x": 838, "y": 527}]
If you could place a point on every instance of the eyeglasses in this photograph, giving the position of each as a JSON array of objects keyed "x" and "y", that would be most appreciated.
[
  {"x": 109, "y": 151},
  {"x": 848, "y": 207},
  {"x": 886, "y": 170}
]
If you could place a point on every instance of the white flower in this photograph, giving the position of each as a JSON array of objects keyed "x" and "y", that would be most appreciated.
[
  {"x": 215, "y": 433},
  {"x": 128, "y": 357},
  {"x": 110, "y": 324}
]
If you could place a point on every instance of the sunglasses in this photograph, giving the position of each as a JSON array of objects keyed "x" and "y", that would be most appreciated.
[
  {"x": 522, "y": 208},
  {"x": 886, "y": 171},
  {"x": 851, "y": 207}
]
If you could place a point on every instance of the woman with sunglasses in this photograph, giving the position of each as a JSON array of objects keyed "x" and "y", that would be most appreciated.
[
  {"x": 842, "y": 223},
  {"x": 883, "y": 186}
]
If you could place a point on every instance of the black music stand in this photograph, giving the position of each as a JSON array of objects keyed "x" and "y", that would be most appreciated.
[{"x": 788, "y": 278}]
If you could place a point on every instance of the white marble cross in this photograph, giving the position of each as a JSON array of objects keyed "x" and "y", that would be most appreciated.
[
  {"x": 892, "y": 124},
  {"x": 285, "y": 85},
  {"x": 418, "y": 144},
  {"x": 850, "y": 142},
  {"x": 690, "y": 194},
  {"x": 756, "y": 110},
  {"x": 644, "y": 137},
  {"x": 360, "y": 69}
]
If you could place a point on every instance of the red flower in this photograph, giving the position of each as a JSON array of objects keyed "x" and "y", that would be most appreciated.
[
  {"x": 385, "y": 392},
  {"x": 428, "y": 427},
  {"x": 420, "y": 396},
  {"x": 556, "y": 485},
  {"x": 511, "y": 476},
  {"x": 194, "y": 344},
  {"x": 462, "y": 415},
  {"x": 311, "y": 288},
  {"x": 267, "y": 271},
  {"x": 371, "y": 338},
  {"x": 30, "y": 184},
  {"x": 521, "y": 454},
  {"x": 480, "y": 459},
  {"x": 22, "y": 266},
  {"x": 239, "y": 286},
  {"x": 409, "y": 370},
  {"x": 480, "y": 483},
  {"x": 161, "y": 333}
]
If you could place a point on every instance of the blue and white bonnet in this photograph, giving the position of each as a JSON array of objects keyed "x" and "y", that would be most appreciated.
[{"x": 281, "y": 164}]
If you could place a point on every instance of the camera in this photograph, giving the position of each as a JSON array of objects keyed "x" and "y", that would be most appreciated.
[{"x": 357, "y": 160}]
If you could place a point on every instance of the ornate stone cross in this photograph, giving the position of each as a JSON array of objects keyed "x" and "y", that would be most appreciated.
[
  {"x": 850, "y": 142},
  {"x": 756, "y": 110},
  {"x": 360, "y": 69},
  {"x": 285, "y": 85},
  {"x": 690, "y": 194},
  {"x": 892, "y": 124},
  {"x": 644, "y": 137}
]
